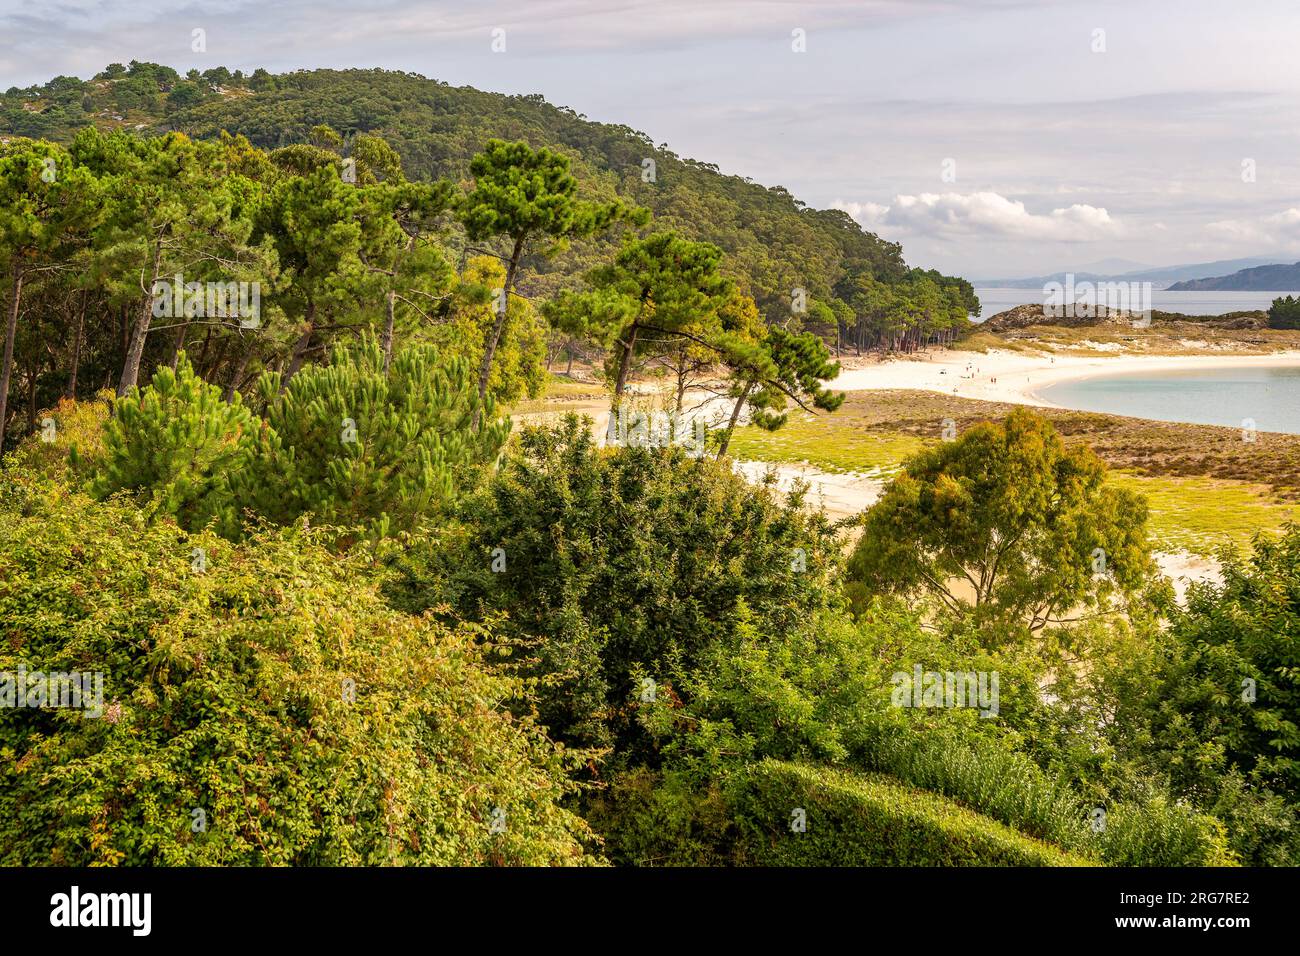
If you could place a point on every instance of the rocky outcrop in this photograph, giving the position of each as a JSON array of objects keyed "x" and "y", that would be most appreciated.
[{"x": 1023, "y": 316}]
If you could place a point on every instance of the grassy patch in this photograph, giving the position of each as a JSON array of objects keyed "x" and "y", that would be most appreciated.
[
  {"x": 1200, "y": 514},
  {"x": 560, "y": 392},
  {"x": 832, "y": 443},
  {"x": 562, "y": 387},
  {"x": 1205, "y": 485}
]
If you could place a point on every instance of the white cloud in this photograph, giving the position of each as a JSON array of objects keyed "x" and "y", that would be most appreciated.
[
  {"x": 1280, "y": 230},
  {"x": 984, "y": 214}
]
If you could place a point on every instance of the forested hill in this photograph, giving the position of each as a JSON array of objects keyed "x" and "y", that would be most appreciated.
[
  {"x": 1269, "y": 278},
  {"x": 774, "y": 243}
]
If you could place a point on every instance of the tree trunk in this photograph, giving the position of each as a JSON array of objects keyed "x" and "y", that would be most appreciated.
[
  {"x": 620, "y": 383},
  {"x": 76, "y": 349},
  {"x": 179, "y": 345},
  {"x": 681, "y": 382},
  {"x": 31, "y": 398},
  {"x": 11, "y": 330},
  {"x": 236, "y": 376},
  {"x": 389, "y": 320},
  {"x": 135, "y": 350},
  {"x": 735, "y": 416},
  {"x": 494, "y": 337},
  {"x": 299, "y": 354},
  {"x": 203, "y": 353},
  {"x": 569, "y": 371}
]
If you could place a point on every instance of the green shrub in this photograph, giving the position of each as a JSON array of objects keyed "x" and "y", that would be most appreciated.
[
  {"x": 75, "y": 449},
  {"x": 618, "y": 565},
  {"x": 1216, "y": 710},
  {"x": 178, "y": 443},
  {"x": 1007, "y": 786},
  {"x": 868, "y": 820},
  {"x": 356, "y": 445},
  {"x": 263, "y": 689},
  {"x": 746, "y": 819}
]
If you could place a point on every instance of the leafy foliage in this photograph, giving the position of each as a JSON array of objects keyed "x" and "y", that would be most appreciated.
[
  {"x": 1028, "y": 527},
  {"x": 230, "y": 691},
  {"x": 623, "y": 565}
]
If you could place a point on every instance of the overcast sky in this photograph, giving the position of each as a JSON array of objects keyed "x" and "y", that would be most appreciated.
[{"x": 989, "y": 137}]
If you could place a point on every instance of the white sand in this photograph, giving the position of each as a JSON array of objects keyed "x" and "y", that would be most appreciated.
[{"x": 1021, "y": 375}]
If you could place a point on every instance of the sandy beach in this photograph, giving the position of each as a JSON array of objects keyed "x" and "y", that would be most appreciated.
[{"x": 1001, "y": 375}]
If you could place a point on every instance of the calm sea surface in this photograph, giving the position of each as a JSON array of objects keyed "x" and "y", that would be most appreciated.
[
  {"x": 993, "y": 301},
  {"x": 1229, "y": 396}
]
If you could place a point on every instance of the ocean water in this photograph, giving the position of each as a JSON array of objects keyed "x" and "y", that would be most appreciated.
[
  {"x": 993, "y": 301},
  {"x": 1236, "y": 397}
]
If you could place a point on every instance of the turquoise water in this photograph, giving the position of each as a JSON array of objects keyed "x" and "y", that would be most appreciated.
[{"x": 1226, "y": 396}]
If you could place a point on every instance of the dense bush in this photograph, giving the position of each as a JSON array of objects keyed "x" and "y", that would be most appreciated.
[
  {"x": 849, "y": 820},
  {"x": 856, "y": 820},
  {"x": 262, "y": 705},
  {"x": 1007, "y": 786},
  {"x": 354, "y": 443},
  {"x": 178, "y": 443},
  {"x": 1217, "y": 710},
  {"x": 351, "y": 443},
  {"x": 620, "y": 566},
  {"x": 820, "y": 693}
]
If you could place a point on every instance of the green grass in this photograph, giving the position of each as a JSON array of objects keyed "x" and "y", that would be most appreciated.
[
  {"x": 831, "y": 443},
  {"x": 561, "y": 387},
  {"x": 1191, "y": 511},
  {"x": 858, "y": 819},
  {"x": 1200, "y": 514}
]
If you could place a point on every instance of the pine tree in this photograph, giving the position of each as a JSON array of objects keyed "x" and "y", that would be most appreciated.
[
  {"x": 778, "y": 367},
  {"x": 362, "y": 448},
  {"x": 46, "y": 205},
  {"x": 180, "y": 442},
  {"x": 523, "y": 195}
]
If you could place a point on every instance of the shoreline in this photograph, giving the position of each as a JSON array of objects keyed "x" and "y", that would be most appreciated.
[{"x": 1002, "y": 375}]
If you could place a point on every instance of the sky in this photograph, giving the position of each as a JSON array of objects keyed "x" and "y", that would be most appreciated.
[{"x": 992, "y": 138}]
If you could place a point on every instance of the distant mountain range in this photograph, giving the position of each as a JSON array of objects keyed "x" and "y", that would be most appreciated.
[
  {"x": 1266, "y": 278},
  {"x": 1159, "y": 276}
]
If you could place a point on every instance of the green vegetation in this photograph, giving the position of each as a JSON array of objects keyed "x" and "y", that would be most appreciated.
[
  {"x": 849, "y": 819},
  {"x": 1203, "y": 514},
  {"x": 261, "y": 706},
  {"x": 342, "y": 615},
  {"x": 855, "y": 820},
  {"x": 1006, "y": 528},
  {"x": 1284, "y": 313},
  {"x": 351, "y": 443},
  {"x": 842, "y": 444}
]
